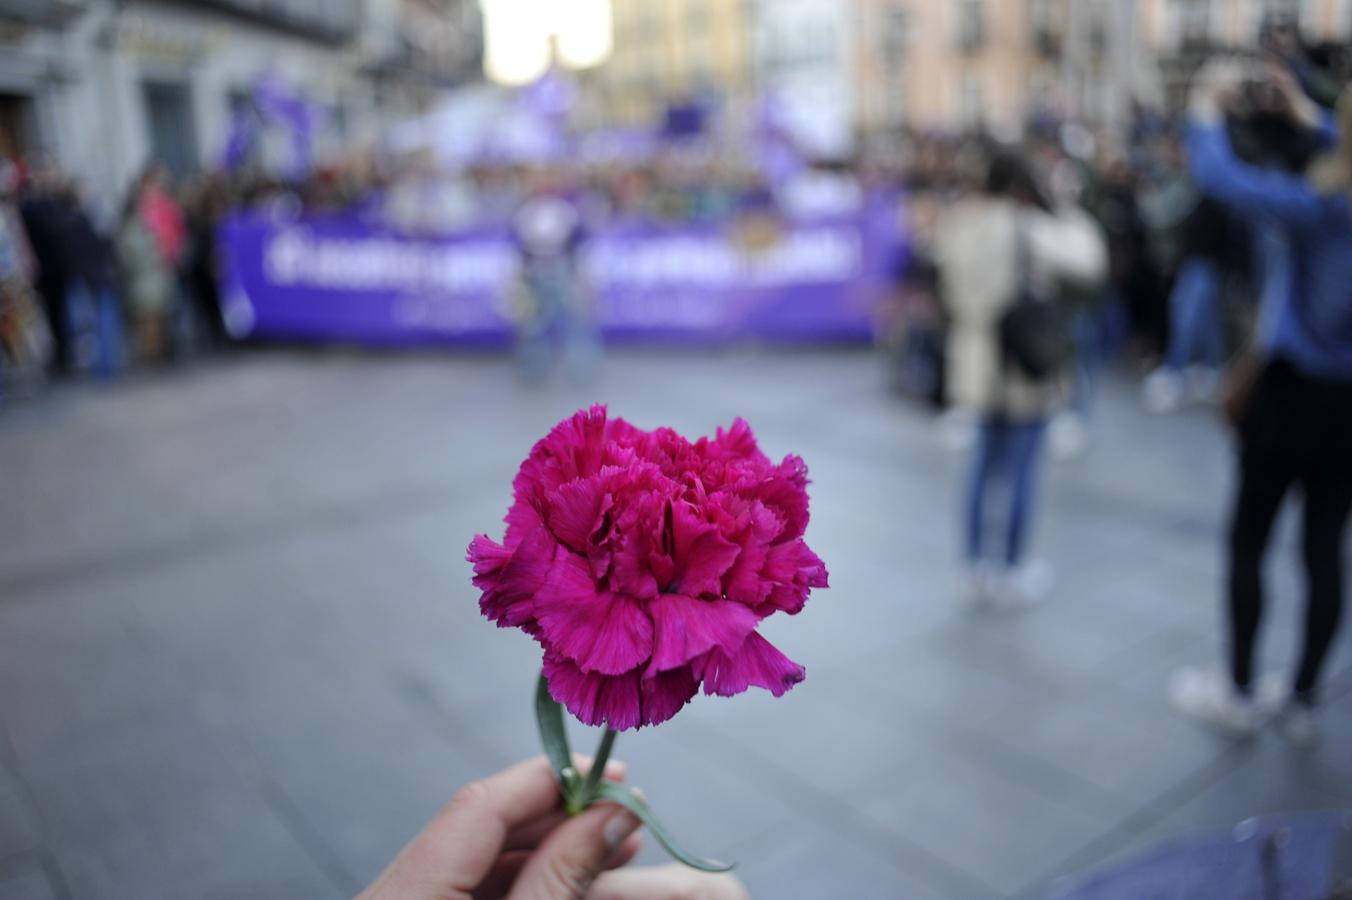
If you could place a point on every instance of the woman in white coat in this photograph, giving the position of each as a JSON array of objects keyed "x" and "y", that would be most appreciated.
[{"x": 989, "y": 248}]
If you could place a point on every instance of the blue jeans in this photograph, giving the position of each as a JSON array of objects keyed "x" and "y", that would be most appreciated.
[
  {"x": 1089, "y": 328},
  {"x": 1008, "y": 451},
  {"x": 1195, "y": 322},
  {"x": 560, "y": 325},
  {"x": 97, "y": 313}
]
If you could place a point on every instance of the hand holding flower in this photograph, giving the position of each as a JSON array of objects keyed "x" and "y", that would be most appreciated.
[
  {"x": 643, "y": 564},
  {"x": 508, "y": 836}
]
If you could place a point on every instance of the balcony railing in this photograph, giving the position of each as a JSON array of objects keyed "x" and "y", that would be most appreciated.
[
  {"x": 327, "y": 20},
  {"x": 42, "y": 12}
]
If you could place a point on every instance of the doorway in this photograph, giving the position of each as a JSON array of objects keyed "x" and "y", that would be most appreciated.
[
  {"x": 16, "y": 130},
  {"x": 173, "y": 139}
]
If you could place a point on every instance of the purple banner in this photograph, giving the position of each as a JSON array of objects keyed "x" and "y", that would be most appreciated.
[{"x": 344, "y": 279}]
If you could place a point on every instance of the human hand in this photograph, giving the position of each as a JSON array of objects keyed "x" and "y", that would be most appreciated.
[
  {"x": 1295, "y": 102},
  {"x": 1215, "y": 87},
  {"x": 508, "y": 836},
  {"x": 667, "y": 882}
]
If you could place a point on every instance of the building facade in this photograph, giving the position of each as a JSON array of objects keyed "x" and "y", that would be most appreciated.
[
  {"x": 803, "y": 52},
  {"x": 104, "y": 87},
  {"x": 955, "y": 64},
  {"x": 668, "y": 51}
]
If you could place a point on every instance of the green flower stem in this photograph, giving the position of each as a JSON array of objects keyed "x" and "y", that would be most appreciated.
[
  {"x": 598, "y": 767},
  {"x": 578, "y": 794}
]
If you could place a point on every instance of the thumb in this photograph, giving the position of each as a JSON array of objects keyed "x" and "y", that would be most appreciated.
[{"x": 574, "y": 854}]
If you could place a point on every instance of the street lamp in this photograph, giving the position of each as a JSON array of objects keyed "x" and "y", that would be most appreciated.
[{"x": 523, "y": 38}]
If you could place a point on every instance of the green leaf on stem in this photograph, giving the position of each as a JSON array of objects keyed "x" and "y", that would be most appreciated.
[
  {"x": 549, "y": 717},
  {"x": 618, "y": 793}
]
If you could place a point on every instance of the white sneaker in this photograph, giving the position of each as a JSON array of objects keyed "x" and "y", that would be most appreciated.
[
  {"x": 1027, "y": 584},
  {"x": 1210, "y": 696},
  {"x": 1067, "y": 436},
  {"x": 1296, "y": 720},
  {"x": 1271, "y": 694},
  {"x": 1299, "y": 725},
  {"x": 1162, "y": 391},
  {"x": 1203, "y": 384}
]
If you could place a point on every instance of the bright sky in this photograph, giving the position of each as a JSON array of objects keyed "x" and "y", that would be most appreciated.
[{"x": 517, "y": 35}]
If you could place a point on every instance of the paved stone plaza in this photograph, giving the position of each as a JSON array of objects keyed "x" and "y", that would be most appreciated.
[{"x": 240, "y": 656}]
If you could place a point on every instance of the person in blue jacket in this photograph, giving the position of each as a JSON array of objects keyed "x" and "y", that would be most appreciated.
[{"x": 1295, "y": 423}]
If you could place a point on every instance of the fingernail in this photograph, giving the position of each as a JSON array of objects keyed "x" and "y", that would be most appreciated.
[{"x": 618, "y": 827}]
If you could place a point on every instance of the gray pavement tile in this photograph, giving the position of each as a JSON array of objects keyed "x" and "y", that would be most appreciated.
[
  {"x": 979, "y": 819},
  {"x": 239, "y": 595},
  {"x": 158, "y": 810},
  {"x": 72, "y": 665},
  {"x": 18, "y": 829},
  {"x": 809, "y": 859},
  {"x": 812, "y": 734},
  {"x": 25, "y": 881},
  {"x": 1274, "y": 778},
  {"x": 353, "y": 762},
  {"x": 1095, "y": 754}
]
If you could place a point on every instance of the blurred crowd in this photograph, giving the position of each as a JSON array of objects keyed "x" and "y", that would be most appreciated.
[
  {"x": 141, "y": 290},
  {"x": 78, "y": 298},
  {"x": 1213, "y": 257},
  {"x": 1175, "y": 299}
]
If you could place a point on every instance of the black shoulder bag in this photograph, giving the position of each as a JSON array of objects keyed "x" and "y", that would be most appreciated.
[{"x": 1034, "y": 334}]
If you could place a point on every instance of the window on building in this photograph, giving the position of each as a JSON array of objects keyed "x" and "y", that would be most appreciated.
[
  {"x": 1310, "y": 19},
  {"x": 1043, "y": 22},
  {"x": 169, "y": 120},
  {"x": 1280, "y": 10},
  {"x": 894, "y": 106},
  {"x": 1194, "y": 21},
  {"x": 971, "y": 24},
  {"x": 894, "y": 37},
  {"x": 971, "y": 101}
]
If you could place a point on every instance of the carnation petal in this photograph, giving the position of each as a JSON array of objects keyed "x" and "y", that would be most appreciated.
[
  {"x": 756, "y": 662},
  {"x": 575, "y": 507},
  {"x": 631, "y": 571},
  {"x": 573, "y": 448},
  {"x": 509, "y": 582},
  {"x": 662, "y": 695},
  {"x": 701, "y": 554},
  {"x": 685, "y": 628},
  {"x": 792, "y": 569},
  {"x": 737, "y": 442},
  {"x": 757, "y": 525},
  {"x": 594, "y": 698},
  {"x": 522, "y": 518},
  {"x": 785, "y": 491},
  {"x": 600, "y": 631}
]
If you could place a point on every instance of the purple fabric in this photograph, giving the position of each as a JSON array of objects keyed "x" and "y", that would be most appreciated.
[
  {"x": 342, "y": 278},
  {"x": 239, "y": 142},
  {"x": 1241, "y": 865},
  {"x": 275, "y": 100}
]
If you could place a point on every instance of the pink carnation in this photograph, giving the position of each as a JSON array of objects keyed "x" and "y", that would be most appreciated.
[{"x": 643, "y": 563}]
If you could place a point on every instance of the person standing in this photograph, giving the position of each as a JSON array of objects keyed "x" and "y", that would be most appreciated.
[
  {"x": 162, "y": 216},
  {"x": 92, "y": 301},
  {"x": 1211, "y": 239},
  {"x": 147, "y": 280},
  {"x": 986, "y": 246},
  {"x": 41, "y": 211},
  {"x": 555, "y": 315},
  {"x": 1294, "y": 424}
]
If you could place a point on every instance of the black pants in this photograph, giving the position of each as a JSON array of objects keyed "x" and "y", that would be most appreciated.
[{"x": 1297, "y": 431}]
